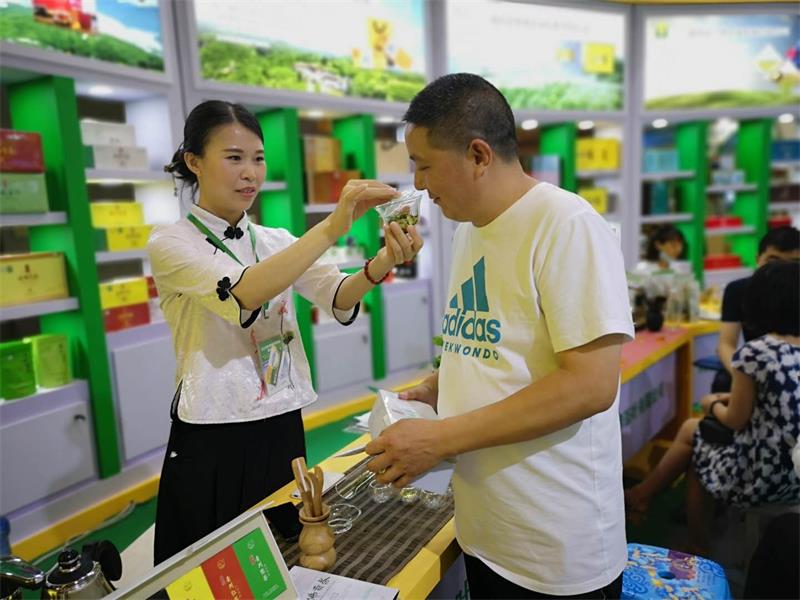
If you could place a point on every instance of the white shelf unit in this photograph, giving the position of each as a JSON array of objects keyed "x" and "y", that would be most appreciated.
[
  {"x": 33, "y": 219},
  {"x": 718, "y": 231},
  {"x": 667, "y": 218},
  {"x": 784, "y": 206},
  {"x": 312, "y": 209},
  {"x": 112, "y": 257},
  {"x": 599, "y": 174},
  {"x": 785, "y": 164},
  {"x": 43, "y": 400},
  {"x": 666, "y": 176},
  {"x": 396, "y": 178},
  {"x": 273, "y": 186},
  {"x": 134, "y": 176},
  {"x": 731, "y": 187},
  {"x": 37, "y": 309}
]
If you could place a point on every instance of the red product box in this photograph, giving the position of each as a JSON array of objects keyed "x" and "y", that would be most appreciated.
[
  {"x": 225, "y": 576},
  {"x": 712, "y": 222},
  {"x": 152, "y": 291},
  {"x": 722, "y": 261},
  {"x": 20, "y": 152},
  {"x": 124, "y": 317},
  {"x": 779, "y": 221}
]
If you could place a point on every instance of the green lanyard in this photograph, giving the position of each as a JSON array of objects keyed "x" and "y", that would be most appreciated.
[{"x": 219, "y": 245}]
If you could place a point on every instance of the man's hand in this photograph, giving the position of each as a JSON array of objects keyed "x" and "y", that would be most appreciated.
[
  {"x": 426, "y": 392},
  {"x": 406, "y": 450}
]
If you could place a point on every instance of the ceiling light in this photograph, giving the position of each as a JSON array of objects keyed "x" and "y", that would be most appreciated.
[
  {"x": 786, "y": 118},
  {"x": 100, "y": 90},
  {"x": 386, "y": 120},
  {"x": 315, "y": 114},
  {"x": 660, "y": 123},
  {"x": 529, "y": 124},
  {"x": 585, "y": 125}
]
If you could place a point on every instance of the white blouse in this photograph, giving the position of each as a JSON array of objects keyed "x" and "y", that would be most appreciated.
[{"x": 218, "y": 366}]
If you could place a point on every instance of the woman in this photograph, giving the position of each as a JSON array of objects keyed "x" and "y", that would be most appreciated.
[
  {"x": 752, "y": 464},
  {"x": 666, "y": 247},
  {"x": 226, "y": 291}
]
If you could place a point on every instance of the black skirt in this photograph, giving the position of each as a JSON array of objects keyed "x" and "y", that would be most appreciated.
[{"x": 213, "y": 473}]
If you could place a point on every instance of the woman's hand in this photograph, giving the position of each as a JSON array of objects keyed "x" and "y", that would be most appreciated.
[
  {"x": 399, "y": 247},
  {"x": 357, "y": 197},
  {"x": 705, "y": 402}
]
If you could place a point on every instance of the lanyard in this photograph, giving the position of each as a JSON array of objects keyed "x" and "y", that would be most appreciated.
[{"x": 218, "y": 243}]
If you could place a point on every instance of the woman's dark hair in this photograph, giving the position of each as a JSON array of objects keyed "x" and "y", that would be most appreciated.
[
  {"x": 772, "y": 298},
  {"x": 203, "y": 119},
  {"x": 662, "y": 235}
]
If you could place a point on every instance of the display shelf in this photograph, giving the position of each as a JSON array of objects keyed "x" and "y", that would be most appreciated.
[
  {"x": 782, "y": 182},
  {"x": 668, "y": 218},
  {"x": 731, "y": 187},
  {"x": 43, "y": 401},
  {"x": 598, "y": 174},
  {"x": 785, "y": 164},
  {"x": 667, "y": 176},
  {"x": 718, "y": 231},
  {"x": 137, "y": 335},
  {"x": 33, "y": 220},
  {"x": 396, "y": 178},
  {"x": 112, "y": 257},
  {"x": 134, "y": 176},
  {"x": 273, "y": 186},
  {"x": 734, "y": 272},
  {"x": 316, "y": 209},
  {"x": 37, "y": 309},
  {"x": 783, "y": 206}
]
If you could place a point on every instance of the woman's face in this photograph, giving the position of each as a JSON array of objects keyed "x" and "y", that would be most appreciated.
[
  {"x": 672, "y": 248},
  {"x": 230, "y": 171}
]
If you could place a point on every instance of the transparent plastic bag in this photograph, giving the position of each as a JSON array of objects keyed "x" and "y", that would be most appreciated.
[{"x": 403, "y": 210}]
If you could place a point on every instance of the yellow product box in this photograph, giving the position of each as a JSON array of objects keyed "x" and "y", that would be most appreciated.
[
  {"x": 597, "y": 197},
  {"x": 35, "y": 277},
  {"x": 597, "y": 154},
  {"x": 116, "y": 214},
  {"x": 123, "y": 292},
  {"x": 322, "y": 154},
  {"x": 132, "y": 237},
  {"x": 585, "y": 159},
  {"x": 608, "y": 151}
]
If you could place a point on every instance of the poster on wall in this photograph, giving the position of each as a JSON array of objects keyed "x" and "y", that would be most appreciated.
[
  {"x": 540, "y": 57},
  {"x": 126, "y": 32},
  {"x": 362, "y": 48},
  {"x": 721, "y": 61}
]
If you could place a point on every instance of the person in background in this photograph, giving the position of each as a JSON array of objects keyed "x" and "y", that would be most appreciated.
[
  {"x": 781, "y": 243},
  {"x": 528, "y": 386},
  {"x": 226, "y": 288},
  {"x": 754, "y": 466},
  {"x": 666, "y": 247}
]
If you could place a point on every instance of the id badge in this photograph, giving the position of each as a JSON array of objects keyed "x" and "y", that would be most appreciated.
[{"x": 273, "y": 356}]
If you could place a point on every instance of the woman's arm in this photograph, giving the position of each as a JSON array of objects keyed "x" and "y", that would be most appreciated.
[{"x": 739, "y": 409}]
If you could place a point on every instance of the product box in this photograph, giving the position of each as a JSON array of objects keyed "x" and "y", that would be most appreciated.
[
  {"x": 597, "y": 197},
  {"x": 547, "y": 167},
  {"x": 324, "y": 188},
  {"x": 152, "y": 290},
  {"x": 35, "y": 277},
  {"x": 105, "y": 133},
  {"x": 17, "y": 378},
  {"x": 776, "y": 221},
  {"x": 726, "y": 221},
  {"x": 119, "y": 239},
  {"x": 597, "y": 154},
  {"x": 20, "y": 152},
  {"x": 722, "y": 261},
  {"x": 660, "y": 160},
  {"x": 115, "y": 157},
  {"x": 123, "y": 292},
  {"x": 124, "y": 317},
  {"x": 116, "y": 214},
  {"x": 50, "y": 359},
  {"x": 727, "y": 177},
  {"x": 785, "y": 150},
  {"x": 23, "y": 193},
  {"x": 391, "y": 157},
  {"x": 322, "y": 153}
]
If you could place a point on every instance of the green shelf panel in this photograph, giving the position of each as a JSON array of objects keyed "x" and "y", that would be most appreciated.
[
  {"x": 48, "y": 106},
  {"x": 357, "y": 137},
  {"x": 690, "y": 141},
  {"x": 561, "y": 139}
]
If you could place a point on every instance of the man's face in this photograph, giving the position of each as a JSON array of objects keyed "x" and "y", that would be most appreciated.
[
  {"x": 772, "y": 253},
  {"x": 445, "y": 174}
]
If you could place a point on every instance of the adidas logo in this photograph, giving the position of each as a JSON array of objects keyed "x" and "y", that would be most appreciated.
[{"x": 462, "y": 318}]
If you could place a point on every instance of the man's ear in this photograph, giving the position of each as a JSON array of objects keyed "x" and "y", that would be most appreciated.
[{"x": 480, "y": 155}]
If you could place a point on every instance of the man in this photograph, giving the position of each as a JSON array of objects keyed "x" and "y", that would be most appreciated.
[
  {"x": 529, "y": 379},
  {"x": 781, "y": 243}
]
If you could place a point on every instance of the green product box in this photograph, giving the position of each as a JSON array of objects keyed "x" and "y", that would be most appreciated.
[
  {"x": 16, "y": 370},
  {"x": 23, "y": 193},
  {"x": 260, "y": 568},
  {"x": 50, "y": 359},
  {"x": 659, "y": 198}
]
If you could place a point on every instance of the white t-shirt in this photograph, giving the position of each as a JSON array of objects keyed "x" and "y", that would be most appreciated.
[
  {"x": 545, "y": 276},
  {"x": 216, "y": 341}
]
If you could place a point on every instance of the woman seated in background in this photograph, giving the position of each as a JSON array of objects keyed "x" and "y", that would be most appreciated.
[
  {"x": 666, "y": 248},
  {"x": 742, "y": 452}
]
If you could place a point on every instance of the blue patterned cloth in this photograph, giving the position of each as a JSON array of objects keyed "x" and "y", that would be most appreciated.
[
  {"x": 757, "y": 469},
  {"x": 654, "y": 572}
]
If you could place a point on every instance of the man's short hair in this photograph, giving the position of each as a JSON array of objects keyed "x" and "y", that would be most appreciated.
[
  {"x": 772, "y": 297},
  {"x": 458, "y": 108},
  {"x": 783, "y": 239}
]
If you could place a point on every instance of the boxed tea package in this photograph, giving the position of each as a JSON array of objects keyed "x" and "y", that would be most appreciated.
[
  {"x": 50, "y": 359},
  {"x": 16, "y": 370}
]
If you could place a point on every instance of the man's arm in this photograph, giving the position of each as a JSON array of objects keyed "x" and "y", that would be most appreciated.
[
  {"x": 728, "y": 342},
  {"x": 584, "y": 384}
]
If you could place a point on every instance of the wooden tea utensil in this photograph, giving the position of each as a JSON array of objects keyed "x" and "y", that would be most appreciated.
[{"x": 303, "y": 484}]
